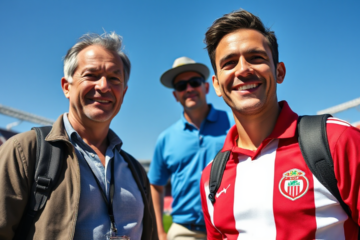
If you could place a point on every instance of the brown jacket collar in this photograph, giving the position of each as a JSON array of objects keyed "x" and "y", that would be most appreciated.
[{"x": 58, "y": 131}]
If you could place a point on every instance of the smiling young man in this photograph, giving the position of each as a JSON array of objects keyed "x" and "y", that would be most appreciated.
[
  {"x": 185, "y": 148},
  {"x": 98, "y": 194},
  {"x": 251, "y": 202}
]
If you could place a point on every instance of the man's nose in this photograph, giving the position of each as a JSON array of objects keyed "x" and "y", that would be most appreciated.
[
  {"x": 189, "y": 87},
  {"x": 102, "y": 84},
  {"x": 243, "y": 67}
]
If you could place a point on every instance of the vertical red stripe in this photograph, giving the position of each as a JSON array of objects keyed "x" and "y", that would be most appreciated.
[
  {"x": 224, "y": 206},
  {"x": 351, "y": 230},
  {"x": 295, "y": 219}
]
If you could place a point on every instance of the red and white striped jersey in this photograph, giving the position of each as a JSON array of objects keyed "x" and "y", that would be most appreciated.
[{"x": 271, "y": 193}]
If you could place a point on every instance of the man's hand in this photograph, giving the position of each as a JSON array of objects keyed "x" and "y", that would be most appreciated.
[{"x": 163, "y": 236}]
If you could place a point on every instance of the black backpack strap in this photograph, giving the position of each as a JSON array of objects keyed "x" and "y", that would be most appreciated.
[
  {"x": 216, "y": 173},
  {"x": 315, "y": 149},
  {"x": 141, "y": 180},
  {"x": 136, "y": 167},
  {"x": 47, "y": 168}
]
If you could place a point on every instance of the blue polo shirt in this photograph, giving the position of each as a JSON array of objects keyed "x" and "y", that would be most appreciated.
[{"x": 182, "y": 151}]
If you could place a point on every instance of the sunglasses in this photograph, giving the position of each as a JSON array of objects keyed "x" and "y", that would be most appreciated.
[{"x": 194, "y": 82}]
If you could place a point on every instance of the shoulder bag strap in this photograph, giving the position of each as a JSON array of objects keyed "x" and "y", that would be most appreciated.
[
  {"x": 315, "y": 149},
  {"x": 47, "y": 168},
  {"x": 216, "y": 173}
]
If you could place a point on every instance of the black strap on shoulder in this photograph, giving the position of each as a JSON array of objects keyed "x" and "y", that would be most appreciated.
[
  {"x": 216, "y": 173},
  {"x": 47, "y": 168},
  {"x": 137, "y": 169},
  {"x": 315, "y": 149},
  {"x": 141, "y": 180}
]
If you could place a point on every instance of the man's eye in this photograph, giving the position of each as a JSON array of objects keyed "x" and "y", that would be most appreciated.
[
  {"x": 115, "y": 79},
  {"x": 90, "y": 75},
  {"x": 257, "y": 57},
  {"x": 229, "y": 63}
]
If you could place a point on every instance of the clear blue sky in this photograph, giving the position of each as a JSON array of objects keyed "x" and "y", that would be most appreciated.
[{"x": 318, "y": 42}]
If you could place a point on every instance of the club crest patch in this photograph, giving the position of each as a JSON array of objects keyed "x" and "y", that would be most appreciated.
[{"x": 293, "y": 184}]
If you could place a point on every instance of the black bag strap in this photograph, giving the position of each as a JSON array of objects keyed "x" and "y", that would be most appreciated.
[
  {"x": 216, "y": 173},
  {"x": 315, "y": 149},
  {"x": 141, "y": 179},
  {"x": 47, "y": 168},
  {"x": 136, "y": 169}
]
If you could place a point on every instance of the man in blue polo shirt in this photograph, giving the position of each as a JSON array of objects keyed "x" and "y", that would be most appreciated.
[{"x": 184, "y": 149}]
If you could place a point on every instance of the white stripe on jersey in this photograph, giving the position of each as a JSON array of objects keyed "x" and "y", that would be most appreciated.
[
  {"x": 338, "y": 121},
  {"x": 254, "y": 179},
  {"x": 330, "y": 216}
]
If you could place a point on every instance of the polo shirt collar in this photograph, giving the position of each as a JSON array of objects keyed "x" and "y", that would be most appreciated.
[
  {"x": 285, "y": 127},
  {"x": 211, "y": 117},
  {"x": 213, "y": 114}
]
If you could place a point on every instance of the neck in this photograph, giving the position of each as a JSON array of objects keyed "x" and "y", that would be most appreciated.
[
  {"x": 93, "y": 134},
  {"x": 196, "y": 116},
  {"x": 253, "y": 129}
]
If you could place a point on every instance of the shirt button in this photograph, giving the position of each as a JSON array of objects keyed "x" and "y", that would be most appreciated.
[
  {"x": 201, "y": 137},
  {"x": 92, "y": 155}
]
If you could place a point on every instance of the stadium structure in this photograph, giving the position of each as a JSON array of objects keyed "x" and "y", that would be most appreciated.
[
  {"x": 21, "y": 116},
  {"x": 342, "y": 107}
]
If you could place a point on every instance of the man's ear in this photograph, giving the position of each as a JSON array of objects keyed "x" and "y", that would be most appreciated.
[
  {"x": 216, "y": 85},
  {"x": 65, "y": 85},
  {"x": 280, "y": 72},
  {"x": 175, "y": 96},
  {"x": 206, "y": 84},
  {"x": 125, "y": 90}
]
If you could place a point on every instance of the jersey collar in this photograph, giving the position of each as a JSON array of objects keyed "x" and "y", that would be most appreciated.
[{"x": 285, "y": 127}]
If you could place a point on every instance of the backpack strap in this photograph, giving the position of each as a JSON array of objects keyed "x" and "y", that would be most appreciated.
[
  {"x": 141, "y": 180},
  {"x": 216, "y": 173},
  {"x": 315, "y": 149},
  {"x": 136, "y": 169},
  {"x": 47, "y": 167}
]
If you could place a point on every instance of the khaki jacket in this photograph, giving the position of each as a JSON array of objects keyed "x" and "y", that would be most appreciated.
[{"x": 58, "y": 218}]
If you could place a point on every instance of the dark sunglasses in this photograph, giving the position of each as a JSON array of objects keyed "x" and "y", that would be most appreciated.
[{"x": 194, "y": 82}]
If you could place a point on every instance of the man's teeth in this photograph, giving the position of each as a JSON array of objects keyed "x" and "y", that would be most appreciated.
[
  {"x": 102, "y": 101},
  {"x": 248, "y": 86}
]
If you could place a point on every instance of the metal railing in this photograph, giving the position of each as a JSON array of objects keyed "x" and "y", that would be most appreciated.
[
  {"x": 341, "y": 107},
  {"x": 23, "y": 116}
]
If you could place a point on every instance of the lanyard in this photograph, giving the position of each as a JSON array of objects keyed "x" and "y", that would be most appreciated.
[{"x": 112, "y": 190}]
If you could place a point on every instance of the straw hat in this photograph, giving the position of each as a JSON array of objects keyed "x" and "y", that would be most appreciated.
[{"x": 183, "y": 64}]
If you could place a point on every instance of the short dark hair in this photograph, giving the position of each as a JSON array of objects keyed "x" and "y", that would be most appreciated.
[{"x": 234, "y": 21}]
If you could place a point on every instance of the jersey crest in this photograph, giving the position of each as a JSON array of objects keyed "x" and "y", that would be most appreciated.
[{"x": 293, "y": 184}]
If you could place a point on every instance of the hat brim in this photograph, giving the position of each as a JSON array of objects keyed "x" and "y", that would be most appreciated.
[{"x": 168, "y": 76}]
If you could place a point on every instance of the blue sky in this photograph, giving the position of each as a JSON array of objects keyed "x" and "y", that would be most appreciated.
[{"x": 318, "y": 42}]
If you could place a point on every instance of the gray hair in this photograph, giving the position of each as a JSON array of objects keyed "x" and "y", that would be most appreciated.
[{"x": 110, "y": 41}]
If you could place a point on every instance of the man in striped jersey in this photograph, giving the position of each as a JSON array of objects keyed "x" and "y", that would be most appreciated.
[{"x": 267, "y": 190}]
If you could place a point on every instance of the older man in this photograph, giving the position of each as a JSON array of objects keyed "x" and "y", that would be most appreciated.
[
  {"x": 82, "y": 205},
  {"x": 185, "y": 148}
]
